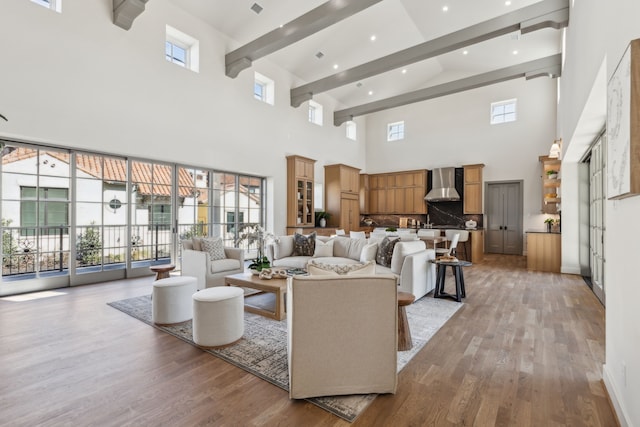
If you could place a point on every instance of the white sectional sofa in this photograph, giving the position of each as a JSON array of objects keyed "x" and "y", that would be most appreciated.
[{"x": 409, "y": 262}]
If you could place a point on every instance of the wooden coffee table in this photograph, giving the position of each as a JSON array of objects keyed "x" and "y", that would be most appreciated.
[{"x": 254, "y": 303}]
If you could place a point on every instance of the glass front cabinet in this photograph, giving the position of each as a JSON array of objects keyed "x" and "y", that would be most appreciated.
[{"x": 300, "y": 187}]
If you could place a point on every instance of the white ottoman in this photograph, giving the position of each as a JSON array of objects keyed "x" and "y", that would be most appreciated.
[
  {"x": 218, "y": 316},
  {"x": 171, "y": 300}
]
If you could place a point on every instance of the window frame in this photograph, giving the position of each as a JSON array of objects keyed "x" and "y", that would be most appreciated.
[
  {"x": 268, "y": 86},
  {"x": 351, "y": 130},
  {"x": 395, "y": 131},
  {"x": 190, "y": 45},
  {"x": 315, "y": 113},
  {"x": 55, "y": 5},
  {"x": 40, "y": 203},
  {"x": 494, "y": 115}
]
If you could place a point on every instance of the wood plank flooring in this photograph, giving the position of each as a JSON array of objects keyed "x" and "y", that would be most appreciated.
[{"x": 526, "y": 349}]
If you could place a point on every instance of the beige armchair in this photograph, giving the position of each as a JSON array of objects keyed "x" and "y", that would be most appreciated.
[
  {"x": 342, "y": 335},
  {"x": 210, "y": 273}
]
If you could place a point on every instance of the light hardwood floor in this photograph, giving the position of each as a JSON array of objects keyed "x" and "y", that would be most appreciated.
[{"x": 526, "y": 349}]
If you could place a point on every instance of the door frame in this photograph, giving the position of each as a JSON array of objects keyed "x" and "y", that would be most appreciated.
[{"x": 520, "y": 202}]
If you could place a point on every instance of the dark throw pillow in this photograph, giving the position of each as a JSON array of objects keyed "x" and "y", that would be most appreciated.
[
  {"x": 383, "y": 257},
  {"x": 304, "y": 245}
]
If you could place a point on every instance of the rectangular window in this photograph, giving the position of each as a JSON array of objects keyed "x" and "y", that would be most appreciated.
[
  {"x": 263, "y": 89},
  {"x": 315, "y": 113},
  {"x": 503, "y": 111},
  {"x": 49, "y": 211},
  {"x": 231, "y": 221},
  {"x": 395, "y": 131},
  {"x": 50, "y": 4},
  {"x": 160, "y": 216},
  {"x": 351, "y": 130},
  {"x": 182, "y": 49}
]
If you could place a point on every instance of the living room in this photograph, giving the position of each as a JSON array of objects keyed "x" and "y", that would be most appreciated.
[{"x": 76, "y": 80}]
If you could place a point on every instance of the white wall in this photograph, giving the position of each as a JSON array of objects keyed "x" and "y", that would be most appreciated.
[
  {"x": 455, "y": 130},
  {"x": 77, "y": 80},
  {"x": 598, "y": 33}
]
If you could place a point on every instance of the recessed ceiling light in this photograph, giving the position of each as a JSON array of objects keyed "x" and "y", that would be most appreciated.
[
  {"x": 445, "y": 8},
  {"x": 515, "y": 52},
  {"x": 465, "y": 52},
  {"x": 335, "y": 66},
  {"x": 370, "y": 92},
  {"x": 256, "y": 8},
  {"x": 372, "y": 38},
  {"x": 404, "y": 71},
  {"x": 507, "y": 3},
  {"x": 319, "y": 55},
  {"x": 281, "y": 25}
]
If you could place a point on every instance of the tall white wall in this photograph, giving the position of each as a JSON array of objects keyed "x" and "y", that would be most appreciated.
[
  {"x": 454, "y": 130},
  {"x": 598, "y": 34},
  {"x": 74, "y": 79}
]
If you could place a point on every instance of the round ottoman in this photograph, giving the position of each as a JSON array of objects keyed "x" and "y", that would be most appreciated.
[
  {"x": 171, "y": 299},
  {"x": 218, "y": 316}
]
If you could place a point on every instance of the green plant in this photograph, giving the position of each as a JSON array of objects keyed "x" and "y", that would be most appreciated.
[
  {"x": 320, "y": 215},
  {"x": 9, "y": 245},
  {"x": 551, "y": 172},
  {"x": 391, "y": 229},
  {"x": 549, "y": 221},
  {"x": 260, "y": 263},
  {"x": 89, "y": 246}
]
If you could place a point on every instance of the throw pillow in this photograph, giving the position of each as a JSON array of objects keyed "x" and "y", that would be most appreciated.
[
  {"x": 304, "y": 245},
  {"x": 197, "y": 243},
  {"x": 369, "y": 252},
  {"x": 214, "y": 247},
  {"x": 323, "y": 249},
  {"x": 386, "y": 251},
  {"x": 319, "y": 269}
]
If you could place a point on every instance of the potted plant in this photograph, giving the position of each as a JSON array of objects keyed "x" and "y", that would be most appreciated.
[
  {"x": 551, "y": 174},
  {"x": 549, "y": 222},
  {"x": 321, "y": 218},
  {"x": 255, "y": 234}
]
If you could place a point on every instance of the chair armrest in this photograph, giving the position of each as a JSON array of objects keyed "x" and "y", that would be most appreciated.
[
  {"x": 196, "y": 264},
  {"x": 235, "y": 253},
  {"x": 418, "y": 274}
]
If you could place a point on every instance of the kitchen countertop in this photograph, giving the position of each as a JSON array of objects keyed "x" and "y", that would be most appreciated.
[{"x": 543, "y": 232}]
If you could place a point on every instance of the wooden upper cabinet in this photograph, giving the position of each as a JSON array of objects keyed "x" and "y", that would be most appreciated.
[
  {"x": 342, "y": 193},
  {"x": 398, "y": 193},
  {"x": 472, "y": 203},
  {"x": 350, "y": 180},
  {"x": 304, "y": 167}
]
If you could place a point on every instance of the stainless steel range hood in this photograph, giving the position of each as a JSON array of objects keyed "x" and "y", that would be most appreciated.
[{"x": 443, "y": 188}]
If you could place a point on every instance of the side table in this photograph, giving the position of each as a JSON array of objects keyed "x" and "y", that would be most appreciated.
[
  {"x": 162, "y": 270},
  {"x": 456, "y": 267},
  {"x": 404, "y": 333}
]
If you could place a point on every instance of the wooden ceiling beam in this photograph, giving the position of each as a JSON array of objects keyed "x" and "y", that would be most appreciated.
[
  {"x": 549, "y": 66},
  {"x": 126, "y": 11},
  {"x": 310, "y": 23},
  {"x": 545, "y": 14}
]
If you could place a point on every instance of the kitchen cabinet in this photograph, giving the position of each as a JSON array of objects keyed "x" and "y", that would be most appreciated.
[
  {"x": 300, "y": 185},
  {"x": 550, "y": 184},
  {"x": 364, "y": 193},
  {"x": 342, "y": 196},
  {"x": 398, "y": 193},
  {"x": 472, "y": 199},
  {"x": 476, "y": 239},
  {"x": 544, "y": 251}
]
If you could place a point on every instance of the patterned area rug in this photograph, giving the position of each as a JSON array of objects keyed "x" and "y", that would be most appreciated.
[{"x": 262, "y": 350}]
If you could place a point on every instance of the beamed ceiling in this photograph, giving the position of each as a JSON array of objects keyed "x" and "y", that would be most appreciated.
[{"x": 379, "y": 54}]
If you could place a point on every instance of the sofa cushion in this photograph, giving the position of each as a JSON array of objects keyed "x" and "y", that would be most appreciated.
[
  {"x": 346, "y": 247},
  {"x": 369, "y": 252},
  {"x": 292, "y": 261},
  {"x": 385, "y": 251},
  {"x": 187, "y": 244},
  {"x": 403, "y": 249},
  {"x": 283, "y": 247},
  {"x": 316, "y": 268},
  {"x": 304, "y": 245},
  {"x": 323, "y": 249},
  {"x": 226, "y": 264},
  {"x": 215, "y": 248}
]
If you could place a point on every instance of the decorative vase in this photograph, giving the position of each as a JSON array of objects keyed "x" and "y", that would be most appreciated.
[
  {"x": 548, "y": 227},
  {"x": 254, "y": 271},
  {"x": 322, "y": 222}
]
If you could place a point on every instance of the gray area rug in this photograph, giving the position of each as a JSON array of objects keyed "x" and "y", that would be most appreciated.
[{"x": 262, "y": 350}]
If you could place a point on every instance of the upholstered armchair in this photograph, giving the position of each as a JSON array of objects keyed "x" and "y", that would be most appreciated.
[
  {"x": 342, "y": 334},
  {"x": 210, "y": 273}
]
